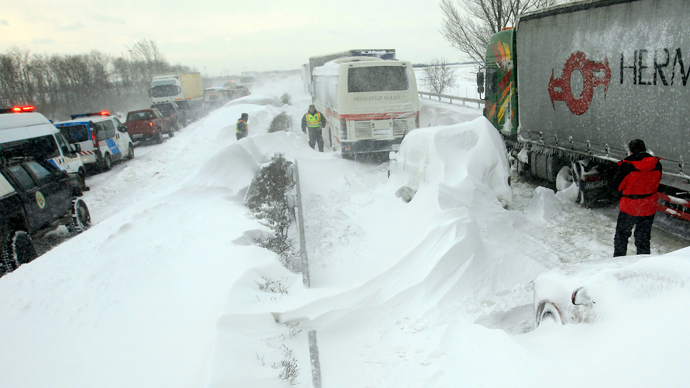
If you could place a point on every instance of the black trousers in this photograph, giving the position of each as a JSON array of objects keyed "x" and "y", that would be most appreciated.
[
  {"x": 315, "y": 137},
  {"x": 241, "y": 135},
  {"x": 624, "y": 228}
]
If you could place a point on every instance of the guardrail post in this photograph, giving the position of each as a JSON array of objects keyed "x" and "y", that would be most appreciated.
[{"x": 302, "y": 239}]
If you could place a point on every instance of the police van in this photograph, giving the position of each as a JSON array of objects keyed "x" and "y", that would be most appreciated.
[
  {"x": 102, "y": 138},
  {"x": 31, "y": 134}
]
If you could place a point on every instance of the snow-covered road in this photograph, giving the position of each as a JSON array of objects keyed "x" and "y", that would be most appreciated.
[{"x": 164, "y": 289}]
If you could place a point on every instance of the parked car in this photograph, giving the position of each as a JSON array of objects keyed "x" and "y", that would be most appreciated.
[
  {"x": 31, "y": 134},
  {"x": 173, "y": 112},
  {"x": 35, "y": 198},
  {"x": 147, "y": 124},
  {"x": 102, "y": 138}
]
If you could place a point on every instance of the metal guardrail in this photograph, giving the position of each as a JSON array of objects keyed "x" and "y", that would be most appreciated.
[{"x": 451, "y": 98}]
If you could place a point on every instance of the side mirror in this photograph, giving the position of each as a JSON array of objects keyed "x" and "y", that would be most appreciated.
[
  {"x": 76, "y": 148},
  {"x": 480, "y": 82}
]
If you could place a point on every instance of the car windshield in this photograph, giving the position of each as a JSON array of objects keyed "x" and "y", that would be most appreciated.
[
  {"x": 165, "y": 91},
  {"x": 138, "y": 116}
]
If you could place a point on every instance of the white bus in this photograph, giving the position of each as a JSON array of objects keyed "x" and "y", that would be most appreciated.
[{"x": 370, "y": 103}]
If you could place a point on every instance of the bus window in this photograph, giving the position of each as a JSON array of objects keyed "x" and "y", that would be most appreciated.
[{"x": 377, "y": 79}]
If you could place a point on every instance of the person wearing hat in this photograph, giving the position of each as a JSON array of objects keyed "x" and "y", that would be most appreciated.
[
  {"x": 314, "y": 121},
  {"x": 241, "y": 128},
  {"x": 637, "y": 179}
]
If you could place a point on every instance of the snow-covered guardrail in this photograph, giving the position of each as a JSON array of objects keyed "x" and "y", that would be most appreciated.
[{"x": 451, "y": 98}]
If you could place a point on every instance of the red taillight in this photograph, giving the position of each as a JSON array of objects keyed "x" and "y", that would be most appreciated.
[
  {"x": 105, "y": 113},
  {"x": 93, "y": 139},
  {"x": 343, "y": 129},
  {"x": 26, "y": 108},
  {"x": 150, "y": 123},
  {"x": 416, "y": 120}
]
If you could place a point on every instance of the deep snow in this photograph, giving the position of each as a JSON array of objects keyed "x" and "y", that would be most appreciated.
[{"x": 164, "y": 289}]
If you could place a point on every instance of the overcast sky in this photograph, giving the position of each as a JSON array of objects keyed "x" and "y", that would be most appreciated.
[{"x": 219, "y": 36}]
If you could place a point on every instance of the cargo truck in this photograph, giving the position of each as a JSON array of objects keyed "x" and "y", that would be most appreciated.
[
  {"x": 571, "y": 85},
  {"x": 184, "y": 89}
]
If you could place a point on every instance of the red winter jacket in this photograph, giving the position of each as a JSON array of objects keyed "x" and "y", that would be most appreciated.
[{"x": 638, "y": 179}]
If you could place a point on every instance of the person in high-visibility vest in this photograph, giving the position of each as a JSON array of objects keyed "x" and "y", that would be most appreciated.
[
  {"x": 314, "y": 121},
  {"x": 241, "y": 129}
]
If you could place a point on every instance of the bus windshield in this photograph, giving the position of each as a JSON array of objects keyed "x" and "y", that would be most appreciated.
[{"x": 377, "y": 79}]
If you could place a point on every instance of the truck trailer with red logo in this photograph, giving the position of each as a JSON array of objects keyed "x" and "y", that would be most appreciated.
[{"x": 570, "y": 86}]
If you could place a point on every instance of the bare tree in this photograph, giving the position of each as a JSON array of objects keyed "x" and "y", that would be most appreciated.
[
  {"x": 469, "y": 25},
  {"x": 439, "y": 76}
]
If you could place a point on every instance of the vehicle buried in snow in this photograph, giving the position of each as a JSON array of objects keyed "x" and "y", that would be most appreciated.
[
  {"x": 586, "y": 292},
  {"x": 145, "y": 124},
  {"x": 570, "y": 86}
]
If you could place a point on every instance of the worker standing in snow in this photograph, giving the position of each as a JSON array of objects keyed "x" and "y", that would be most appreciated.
[
  {"x": 241, "y": 128},
  {"x": 637, "y": 179},
  {"x": 314, "y": 121}
]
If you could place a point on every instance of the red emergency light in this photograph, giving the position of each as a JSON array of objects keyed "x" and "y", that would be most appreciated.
[
  {"x": 105, "y": 113},
  {"x": 26, "y": 108}
]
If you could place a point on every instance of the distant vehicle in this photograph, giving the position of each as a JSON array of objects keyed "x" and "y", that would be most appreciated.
[
  {"x": 31, "y": 134},
  {"x": 35, "y": 197},
  {"x": 247, "y": 79},
  {"x": 216, "y": 97},
  {"x": 184, "y": 89},
  {"x": 102, "y": 138},
  {"x": 173, "y": 112},
  {"x": 370, "y": 104},
  {"x": 568, "y": 107},
  {"x": 147, "y": 124}
]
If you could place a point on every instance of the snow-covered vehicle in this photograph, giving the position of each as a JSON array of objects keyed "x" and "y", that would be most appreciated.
[
  {"x": 570, "y": 86},
  {"x": 584, "y": 292},
  {"x": 102, "y": 138}
]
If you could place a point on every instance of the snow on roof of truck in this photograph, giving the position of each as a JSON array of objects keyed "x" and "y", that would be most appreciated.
[
  {"x": 19, "y": 126},
  {"x": 332, "y": 67}
]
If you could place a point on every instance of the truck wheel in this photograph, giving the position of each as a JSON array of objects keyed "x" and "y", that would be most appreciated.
[
  {"x": 81, "y": 218},
  {"x": 171, "y": 133},
  {"x": 567, "y": 177},
  {"x": 19, "y": 250},
  {"x": 159, "y": 138},
  {"x": 107, "y": 163}
]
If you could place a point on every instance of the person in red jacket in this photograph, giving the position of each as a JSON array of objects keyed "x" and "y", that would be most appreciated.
[{"x": 637, "y": 179}]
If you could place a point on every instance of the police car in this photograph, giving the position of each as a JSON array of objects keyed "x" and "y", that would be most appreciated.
[
  {"x": 31, "y": 134},
  {"x": 102, "y": 138},
  {"x": 35, "y": 197}
]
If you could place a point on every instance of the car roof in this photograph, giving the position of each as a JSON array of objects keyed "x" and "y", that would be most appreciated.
[
  {"x": 20, "y": 126},
  {"x": 86, "y": 119}
]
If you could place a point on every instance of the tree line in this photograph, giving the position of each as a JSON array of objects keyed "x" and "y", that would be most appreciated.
[{"x": 60, "y": 85}]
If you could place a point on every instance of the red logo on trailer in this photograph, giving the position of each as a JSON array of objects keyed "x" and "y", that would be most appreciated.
[{"x": 592, "y": 76}]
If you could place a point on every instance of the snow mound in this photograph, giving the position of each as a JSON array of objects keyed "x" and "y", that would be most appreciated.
[
  {"x": 256, "y": 99},
  {"x": 465, "y": 163}
]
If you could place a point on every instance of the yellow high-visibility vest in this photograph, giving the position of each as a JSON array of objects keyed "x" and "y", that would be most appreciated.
[{"x": 314, "y": 121}]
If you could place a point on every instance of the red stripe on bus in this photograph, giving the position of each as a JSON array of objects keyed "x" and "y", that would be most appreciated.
[{"x": 378, "y": 116}]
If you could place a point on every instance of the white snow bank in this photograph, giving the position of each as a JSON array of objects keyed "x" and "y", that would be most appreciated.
[{"x": 466, "y": 162}]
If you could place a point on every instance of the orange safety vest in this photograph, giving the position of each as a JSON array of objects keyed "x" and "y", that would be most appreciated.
[{"x": 314, "y": 121}]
